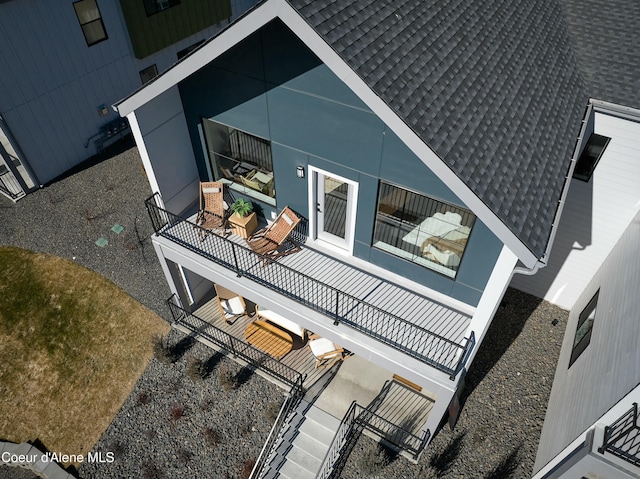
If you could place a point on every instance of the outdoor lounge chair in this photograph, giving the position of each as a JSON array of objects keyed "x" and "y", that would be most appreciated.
[
  {"x": 231, "y": 305},
  {"x": 212, "y": 215},
  {"x": 326, "y": 352},
  {"x": 269, "y": 241}
]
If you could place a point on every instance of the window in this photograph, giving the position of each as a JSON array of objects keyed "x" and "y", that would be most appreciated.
[
  {"x": 155, "y": 6},
  {"x": 148, "y": 74},
  {"x": 241, "y": 160},
  {"x": 420, "y": 229},
  {"x": 584, "y": 328},
  {"x": 590, "y": 157},
  {"x": 90, "y": 20},
  {"x": 184, "y": 52}
]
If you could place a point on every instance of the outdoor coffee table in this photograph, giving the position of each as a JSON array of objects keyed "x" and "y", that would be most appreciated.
[{"x": 269, "y": 338}]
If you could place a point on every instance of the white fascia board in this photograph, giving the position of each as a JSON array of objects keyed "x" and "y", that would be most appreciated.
[
  {"x": 268, "y": 11},
  {"x": 142, "y": 150}
]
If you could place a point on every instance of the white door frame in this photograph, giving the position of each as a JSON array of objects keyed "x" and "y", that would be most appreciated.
[{"x": 352, "y": 202}]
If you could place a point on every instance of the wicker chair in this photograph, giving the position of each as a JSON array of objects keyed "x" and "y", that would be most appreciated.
[
  {"x": 212, "y": 215},
  {"x": 269, "y": 241},
  {"x": 231, "y": 305}
]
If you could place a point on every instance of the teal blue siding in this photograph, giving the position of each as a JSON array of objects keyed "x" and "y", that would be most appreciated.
[{"x": 272, "y": 86}]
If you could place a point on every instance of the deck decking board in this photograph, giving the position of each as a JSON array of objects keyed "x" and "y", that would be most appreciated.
[{"x": 414, "y": 308}]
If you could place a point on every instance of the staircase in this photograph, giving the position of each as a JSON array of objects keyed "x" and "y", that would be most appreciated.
[{"x": 303, "y": 444}]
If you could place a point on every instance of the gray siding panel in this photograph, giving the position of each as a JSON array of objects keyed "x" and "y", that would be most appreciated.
[{"x": 608, "y": 368}]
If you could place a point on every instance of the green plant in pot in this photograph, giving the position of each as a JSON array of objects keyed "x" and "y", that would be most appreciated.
[{"x": 242, "y": 207}]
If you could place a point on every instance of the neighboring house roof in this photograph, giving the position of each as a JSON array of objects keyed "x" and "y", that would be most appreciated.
[
  {"x": 606, "y": 40},
  {"x": 490, "y": 87}
]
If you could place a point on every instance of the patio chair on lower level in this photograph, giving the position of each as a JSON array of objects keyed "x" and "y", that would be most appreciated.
[
  {"x": 326, "y": 352},
  {"x": 231, "y": 305},
  {"x": 212, "y": 215},
  {"x": 269, "y": 241}
]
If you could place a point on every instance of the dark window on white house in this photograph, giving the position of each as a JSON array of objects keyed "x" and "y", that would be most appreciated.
[
  {"x": 421, "y": 229},
  {"x": 185, "y": 51},
  {"x": 154, "y": 6},
  {"x": 584, "y": 329},
  {"x": 90, "y": 20},
  {"x": 590, "y": 156},
  {"x": 148, "y": 74}
]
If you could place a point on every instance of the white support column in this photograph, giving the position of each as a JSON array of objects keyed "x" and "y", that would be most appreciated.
[
  {"x": 142, "y": 149},
  {"x": 439, "y": 409},
  {"x": 165, "y": 268},
  {"x": 491, "y": 297}
]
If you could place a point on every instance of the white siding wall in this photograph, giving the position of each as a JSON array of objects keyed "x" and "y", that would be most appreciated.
[
  {"x": 610, "y": 365},
  {"x": 52, "y": 83},
  {"x": 594, "y": 217}
]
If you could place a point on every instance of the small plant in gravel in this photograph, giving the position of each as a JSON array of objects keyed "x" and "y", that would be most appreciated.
[
  {"x": 227, "y": 378},
  {"x": 183, "y": 456},
  {"x": 150, "y": 434},
  {"x": 176, "y": 412},
  {"x": 211, "y": 436},
  {"x": 246, "y": 468},
  {"x": 151, "y": 471},
  {"x": 272, "y": 410},
  {"x": 162, "y": 350},
  {"x": 196, "y": 369},
  {"x": 144, "y": 398},
  {"x": 374, "y": 460}
]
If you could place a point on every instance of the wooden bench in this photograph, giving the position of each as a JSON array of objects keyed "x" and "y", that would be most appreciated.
[{"x": 269, "y": 338}]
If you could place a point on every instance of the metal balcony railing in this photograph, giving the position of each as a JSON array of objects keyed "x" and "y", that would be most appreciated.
[
  {"x": 342, "y": 308},
  {"x": 622, "y": 438}
]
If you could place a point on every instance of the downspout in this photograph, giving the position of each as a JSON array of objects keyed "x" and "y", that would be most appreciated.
[{"x": 542, "y": 262}]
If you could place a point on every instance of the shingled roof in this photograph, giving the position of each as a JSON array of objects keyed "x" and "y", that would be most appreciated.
[
  {"x": 606, "y": 40},
  {"x": 492, "y": 87}
]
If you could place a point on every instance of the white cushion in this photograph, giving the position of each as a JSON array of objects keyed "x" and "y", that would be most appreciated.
[
  {"x": 281, "y": 321},
  {"x": 322, "y": 346},
  {"x": 287, "y": 219},
  {"x": 232, "y": 307},
  {"x": 210, "y": 189}
]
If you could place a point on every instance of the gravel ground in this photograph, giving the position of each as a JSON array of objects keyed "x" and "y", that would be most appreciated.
[
  {"x": 172, "y": 426},
  {"x": 505, "y": 398}
]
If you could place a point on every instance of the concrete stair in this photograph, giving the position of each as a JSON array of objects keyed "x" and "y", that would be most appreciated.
[{"x": 303, "y": 444}]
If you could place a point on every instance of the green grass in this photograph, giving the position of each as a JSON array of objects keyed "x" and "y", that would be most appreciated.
[{"x": 72, "y": 345}]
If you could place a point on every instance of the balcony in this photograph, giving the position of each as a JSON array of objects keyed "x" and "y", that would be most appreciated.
[
  {"x": 622, "y": 438},
  {"x": 419, "y": 327}
]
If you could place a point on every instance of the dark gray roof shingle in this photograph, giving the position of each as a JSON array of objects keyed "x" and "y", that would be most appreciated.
[
  {"x": 492, "y": 87},
  {"x": 606, "y": 39}
]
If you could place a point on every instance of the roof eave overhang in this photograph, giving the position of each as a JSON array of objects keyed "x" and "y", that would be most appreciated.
[{"x": 272, "y": 9}]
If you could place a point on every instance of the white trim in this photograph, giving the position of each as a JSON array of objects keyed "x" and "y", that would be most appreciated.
[
  {"x": 205, "y": 152},
  {"x": 352, "y": 207},
  {"x": 144, "y": 154},
  {"x": 185, "y": 283},
  {"x": 268, "y": 11}
]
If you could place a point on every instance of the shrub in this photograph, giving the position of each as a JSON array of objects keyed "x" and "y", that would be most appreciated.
[
  {"x": 162, "y": 350},
  {"x": 196, "y": 369},
  {"x": 374, "y": 460},
  {"x": 247, "y": 467},
  {"x": 227, "y": 378},
  {"x": 176, "y": 412},
  {"x": 211, "y": 436},
  {"x": 272, "y": 410},
  {"x": 144, "y": 397}
]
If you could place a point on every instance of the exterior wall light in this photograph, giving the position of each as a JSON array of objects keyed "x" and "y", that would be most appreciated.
[{"x": 300, "y": 171}]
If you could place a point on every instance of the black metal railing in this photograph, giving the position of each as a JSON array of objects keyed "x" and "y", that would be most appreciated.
[
  {"x": 236, "y": 347},
  {"x": 622, "y": 438},
  {"x": 288, "y": 406},
  {"x": 342, "y": 308},
  {"x": 357, "y": 419},
  {"x": 9, "y": 185}
]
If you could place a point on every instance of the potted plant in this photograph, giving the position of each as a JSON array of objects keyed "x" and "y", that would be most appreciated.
[
  {"x": 243, "y": 220},
  {"x": 241, "y": 207}
]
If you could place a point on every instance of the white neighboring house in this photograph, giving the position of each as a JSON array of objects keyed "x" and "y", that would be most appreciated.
[
  {"x": 65, "y": 61},
  {"x": 592, "y": 426}
]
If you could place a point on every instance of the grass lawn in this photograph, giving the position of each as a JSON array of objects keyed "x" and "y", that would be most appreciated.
[{"x": 72, "y": 346}]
